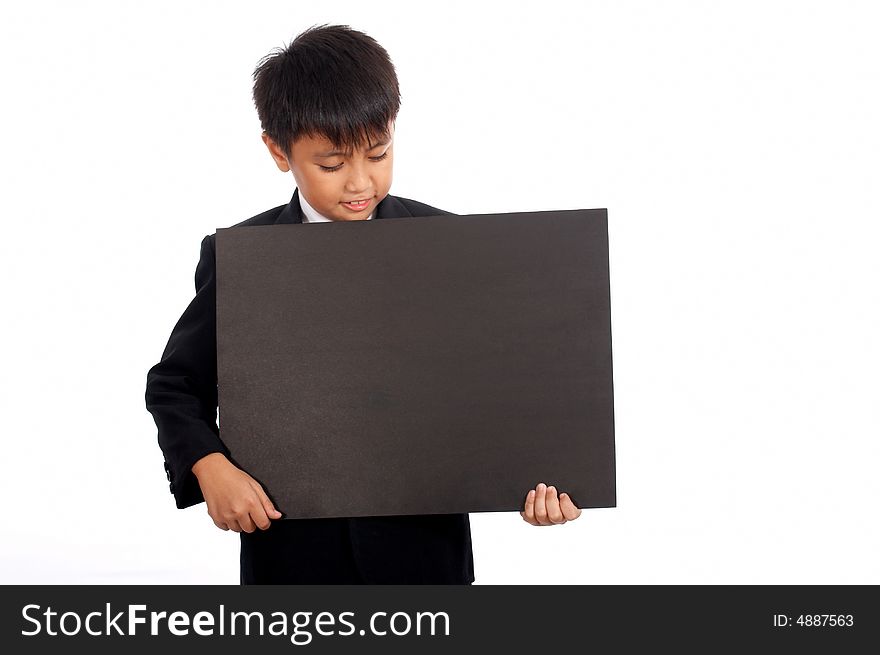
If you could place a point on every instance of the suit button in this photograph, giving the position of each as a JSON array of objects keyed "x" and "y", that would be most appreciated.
[{"x": 167, "y": 472}]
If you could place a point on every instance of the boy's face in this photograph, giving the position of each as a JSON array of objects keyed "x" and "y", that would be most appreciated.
[{"x": 329, "y": 179}]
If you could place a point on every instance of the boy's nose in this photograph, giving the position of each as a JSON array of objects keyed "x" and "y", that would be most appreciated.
[{"x": 358, "y": 180}]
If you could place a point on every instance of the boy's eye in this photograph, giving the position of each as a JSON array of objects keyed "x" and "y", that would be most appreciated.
[{"x": 330, "y": 169}]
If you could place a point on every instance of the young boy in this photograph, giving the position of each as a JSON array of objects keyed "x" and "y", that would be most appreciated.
[{"x": 328, "y": 104}]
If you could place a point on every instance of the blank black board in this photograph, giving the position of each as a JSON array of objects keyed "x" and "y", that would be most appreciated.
[{"x": 430, "y": 365}]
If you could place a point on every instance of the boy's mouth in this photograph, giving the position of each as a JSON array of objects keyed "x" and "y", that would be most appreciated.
[{"x": 358, "y": 205}]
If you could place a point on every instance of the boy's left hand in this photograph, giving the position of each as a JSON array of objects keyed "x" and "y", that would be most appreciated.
[{"x": 544, "y": 507}]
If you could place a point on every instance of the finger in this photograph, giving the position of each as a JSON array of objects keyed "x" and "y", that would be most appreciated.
[
  {"x": 247, "y": 524},
  {"x": 528, "y": 512},
  {"x": 259, "y": 518},
  {"x": 569, "y": 509},
  {"x": 541, "y": 504},
  {"x": 554, "y": 514},
  {"x": 257, "y": 512},
  {"x": 220, "y": 523},
  {"x": 268, "y": 507}
]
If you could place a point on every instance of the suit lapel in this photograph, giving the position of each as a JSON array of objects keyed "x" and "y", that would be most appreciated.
[
  {"x": 292, "y": 212},
  {"x": 390, "y": 207}
]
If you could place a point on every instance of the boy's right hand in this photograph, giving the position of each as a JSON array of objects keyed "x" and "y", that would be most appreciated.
[{"x": 235, "y": 500}]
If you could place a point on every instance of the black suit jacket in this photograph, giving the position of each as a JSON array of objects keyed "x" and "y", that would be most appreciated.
[{"x": 181, "y": 395}]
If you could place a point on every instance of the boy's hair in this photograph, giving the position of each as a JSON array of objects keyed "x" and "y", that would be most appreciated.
[{"x": 330, "y": 81}]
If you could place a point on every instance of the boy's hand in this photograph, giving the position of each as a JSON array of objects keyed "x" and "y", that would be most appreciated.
[
  {"x": 543, "y": 507},
  {"x": 235, "y": 500}
]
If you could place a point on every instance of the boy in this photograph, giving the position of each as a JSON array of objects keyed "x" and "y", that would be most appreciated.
[{"x": 327, "y": 104}]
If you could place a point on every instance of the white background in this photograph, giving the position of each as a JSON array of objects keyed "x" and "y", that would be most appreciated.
[{"x": 735, "y": 145}]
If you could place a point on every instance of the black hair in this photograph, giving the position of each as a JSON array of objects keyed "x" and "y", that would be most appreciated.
[{"x": 331, "y": 81}]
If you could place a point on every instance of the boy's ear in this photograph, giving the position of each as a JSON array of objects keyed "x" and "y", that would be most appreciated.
[{"x": 277, "y": 154}]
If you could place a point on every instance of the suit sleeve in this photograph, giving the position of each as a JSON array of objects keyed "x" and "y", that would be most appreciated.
[{"x": 182, "y": 388}]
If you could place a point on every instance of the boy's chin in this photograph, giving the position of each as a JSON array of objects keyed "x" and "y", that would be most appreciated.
[{"x": 343, "y": 213}]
